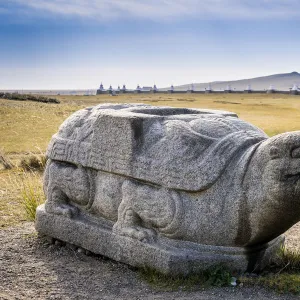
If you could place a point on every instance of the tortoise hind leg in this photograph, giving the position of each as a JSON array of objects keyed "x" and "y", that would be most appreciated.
[
  {"x": 129, "y": 224},
  {"x": 132, "y": 221},
  {"x": 144, "y": 211}
]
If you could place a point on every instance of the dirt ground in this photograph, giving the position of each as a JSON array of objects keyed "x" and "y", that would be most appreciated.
[{"x": 30, "y": 268}]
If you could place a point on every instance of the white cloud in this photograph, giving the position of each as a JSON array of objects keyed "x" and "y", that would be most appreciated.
[{"x": 168, "y": 9}]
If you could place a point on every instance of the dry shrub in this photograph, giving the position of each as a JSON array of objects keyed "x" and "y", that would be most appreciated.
[
  {"x": 288, "y": 260},
  {"x": 28, "y": 97},
  {"x": 33, "y": 162},
  {"x": 29, "y": 185},
  {"x": 5, "y": 161}
]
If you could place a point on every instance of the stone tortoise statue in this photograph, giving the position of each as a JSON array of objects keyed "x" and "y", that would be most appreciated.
[{"x": 176, "y": 189}]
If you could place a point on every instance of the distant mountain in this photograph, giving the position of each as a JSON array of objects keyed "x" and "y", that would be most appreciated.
[{"x": 282, "y": 82}]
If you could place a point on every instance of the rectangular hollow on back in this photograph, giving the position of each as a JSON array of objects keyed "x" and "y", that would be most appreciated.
[{"x": 118, "y": 134}]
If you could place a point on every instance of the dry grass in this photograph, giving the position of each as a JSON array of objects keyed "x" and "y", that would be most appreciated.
[
  {"x": 271, "y": 112},
  {"x": 33, "y": 162},
  {"x": 11, "y": 210},
  {"x": 20, "y": 193},
  {"x": 5, "y": 162},
  {"x": 32, "y": 194},
  {"x": 26, "y": 127}
]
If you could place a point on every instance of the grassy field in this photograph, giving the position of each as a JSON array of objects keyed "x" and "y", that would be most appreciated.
[{"x": 26, "y": 127}]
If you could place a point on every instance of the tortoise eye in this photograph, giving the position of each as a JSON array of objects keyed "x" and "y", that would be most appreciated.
[{"x": 296, "y": 153}]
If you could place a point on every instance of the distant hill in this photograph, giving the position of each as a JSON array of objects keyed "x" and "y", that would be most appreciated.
[{"x": 282, "y": 82}]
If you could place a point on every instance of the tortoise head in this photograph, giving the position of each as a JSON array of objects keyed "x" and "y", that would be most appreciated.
[{"x": 281, "y": 176}]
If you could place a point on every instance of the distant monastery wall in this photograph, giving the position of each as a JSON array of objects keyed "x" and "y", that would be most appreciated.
[{"x": 172, "y": 90}]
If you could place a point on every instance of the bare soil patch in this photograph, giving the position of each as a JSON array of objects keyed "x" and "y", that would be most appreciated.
[{"x": 31, "y": 268}]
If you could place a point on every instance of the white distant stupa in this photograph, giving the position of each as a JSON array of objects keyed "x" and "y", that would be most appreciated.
[
  {"x": 171, "y": 90},
  {"x": 110, "y": 88},
  {"x": 248, "y": 89},
  {"x": 191, "y": 88},
  {"x": 271, "y": 89},
  {"x": 228, "y": 88},
  {"x": 138, "y": 88},
  {"x": 101, "y": 89},
  {"x": 208, "y": 89},
  {"x": 154, "y": 88},
  {"x": 124, "y": 87},
  {"x": 295, "y": 90}
]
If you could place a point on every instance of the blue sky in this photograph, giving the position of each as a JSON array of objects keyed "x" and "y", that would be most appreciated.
[{"x": 76, "y": 44}]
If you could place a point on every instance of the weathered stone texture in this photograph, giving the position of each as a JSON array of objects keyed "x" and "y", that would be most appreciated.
[{"x": 173, "y": 188}]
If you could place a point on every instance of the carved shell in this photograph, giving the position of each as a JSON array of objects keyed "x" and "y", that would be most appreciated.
[{"x": 186, "y": 149}]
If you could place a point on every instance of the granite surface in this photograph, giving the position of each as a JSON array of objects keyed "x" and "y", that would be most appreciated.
[{"x": 138, "y": 174}]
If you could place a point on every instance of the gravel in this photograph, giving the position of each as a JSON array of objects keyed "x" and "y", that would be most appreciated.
[{"x": 31, "y": 268}]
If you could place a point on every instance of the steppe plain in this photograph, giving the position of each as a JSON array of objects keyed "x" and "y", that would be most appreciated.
[{"x": 30, "y": 268}]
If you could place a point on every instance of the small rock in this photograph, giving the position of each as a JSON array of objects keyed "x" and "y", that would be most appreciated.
[
  {"x": 80, "y": 250},
  {"x": 233, "y": 281}
]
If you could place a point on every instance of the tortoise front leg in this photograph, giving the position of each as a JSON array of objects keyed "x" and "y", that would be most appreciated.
[{"x": 58, "y": 203}]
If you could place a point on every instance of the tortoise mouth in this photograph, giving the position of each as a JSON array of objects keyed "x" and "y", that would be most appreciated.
[{"x": 292, "y": 177}]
